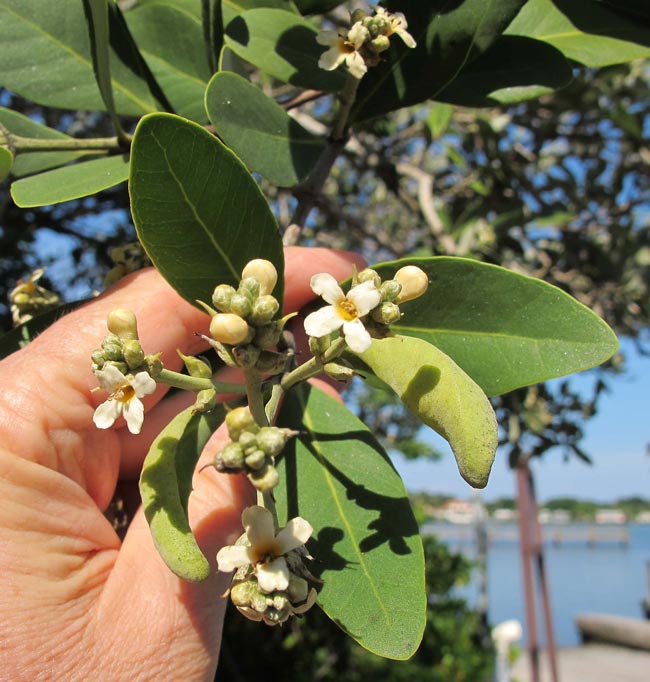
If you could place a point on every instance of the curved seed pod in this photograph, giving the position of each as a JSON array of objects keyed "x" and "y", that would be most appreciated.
[{"x": 437, "y": 390}]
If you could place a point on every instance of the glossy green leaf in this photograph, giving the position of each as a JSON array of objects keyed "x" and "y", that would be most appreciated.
[
  {"x": 190, "y": 6},
  {"x": 435, "y": 389},
  {"x": 166, "y": 484},
  {"x": 366, "y": 543},
  {"x": 283, "y": 45},
  {"x": 585, "y": 31},
  {"x": 198, "y": 212},
  {"x": 70, "y": 182},
  {"x": 15, "y": 123},
  {"x": 316, "y": 6},
  {"x": 260, "y": 131},
  {"x": 171, "y": 41},
  {"x": 231, "y": 8},
  {"x": 511, "y": 70},
  {"x": 448, "y": 34},
  {"x": 504, "y": 329},
  {"x": 6, "y": 161},
  {"x": 46, "y": 56}
]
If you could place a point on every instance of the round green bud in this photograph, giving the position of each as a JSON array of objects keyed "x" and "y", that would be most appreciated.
[
  {"x": 390, "y": 290},
  {"x": 264, "y": 310},
  {"x": 258, "y": 601},
  {"x": 246, "y": 356},
  {"x": 271, "y": 440},
  {"x": 265, "y": 479},
  {"x": 205, "y": 400},
  {"x": 338, "y": 371},
  {"x": 414, "y": 282},
  {"x": 369, "y": 275},
  {"x": 112, "y": 347},
  {"x": 264, "y": 272},
  {"x": 256, "y": 460},
  {"x": 240, "y": 305},
  {"x": 133, "y": 353},
  {"x": 238, "y": 421},
  {"x": 248, "y": 440},
  {"x": 123, "y": 324},
  {"x": 280, "y": 601},
  {"x": 241, "y": 593},
  {"x": 386, "y": 313},
  {"x": 221, "y": 297},
  {"x": 250, "y": 287},
  {"x": 121, "y": 366},
  {"x": 298, "y": 588},
  {"x": 357, "y": 15},
  {"x": 376, "y": 25},
  {"x": 98, "y": 358},
  {"x": 268, "y": 335},
  {"x": 379, "y": 44},
  {"x": 232, "y": 456},
  {"x": 229, "y": 328}
]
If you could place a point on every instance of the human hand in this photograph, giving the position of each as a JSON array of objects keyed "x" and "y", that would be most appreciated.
[{"x": 75, "y": 602}]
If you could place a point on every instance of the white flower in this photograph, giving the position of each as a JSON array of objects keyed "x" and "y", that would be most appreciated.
[
  {"x": 343, "y": 311},
  {"x": 265, "y": 550},
  {"x": 126, "y": 392},
  {"x": 344, "y": 48},
  {"x": 396, "y": 24}
]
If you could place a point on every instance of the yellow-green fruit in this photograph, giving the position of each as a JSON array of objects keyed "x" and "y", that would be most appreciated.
[{"x": 439, "y": 392}]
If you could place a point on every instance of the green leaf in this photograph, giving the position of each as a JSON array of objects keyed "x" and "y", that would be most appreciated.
[
  {"x": 438, "y": 119},
  {"x": 166, "y": 484},
  {"x": 504, "y": 329},
  {"x": 198, "y": 212},
  {"x": 33, "y": 162},
  {"x": 70, "y": 182},
  {"x": 283, "y": 45},
  {"x": 231, "y": 8},
  {"x": 583, "y": 30},
  {"x": 46, "y": 57},
  {"x": 448, "y": 34},
  {"x": 435, "y": 389},
  {"x": 366, "y": 542},
  {"x": 316, "y": 6},
  {"x": 171, "y": 42},
  {"x": 511, "y": 70},
  {"x": 260, "y": 131},
  {"x": 6, "y": 161}
]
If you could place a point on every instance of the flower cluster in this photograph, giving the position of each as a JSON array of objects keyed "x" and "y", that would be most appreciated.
[
  {"x": 123, "y": 370},
  {"x": 244, "y": 329},
  {"x": 366, "y": 310},
  {"x": 270, "y": 582},
  {"x": 252, "y": 449},
  {"x": 362, "y": 45},
  {"x": 28, "y": 298}
]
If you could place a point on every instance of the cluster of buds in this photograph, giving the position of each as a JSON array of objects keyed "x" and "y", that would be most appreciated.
[
  {"x": 252, "y": 449},
  {"x": 362, "y": 45},
  {"x": 243, "y": 329},
  {"x": 127, "y": 258},
  {"x": 270, "y": 582},
  {"x": 366, "y": 311},
  {"x": 28, "y": 298}
]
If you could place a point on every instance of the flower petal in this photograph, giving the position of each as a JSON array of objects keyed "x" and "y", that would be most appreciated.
[
  {"x": 365, "y": 297},
  {"x": 259, "y": 526},
  {"x": 356, "y": 64},
  {"x": 323, "y": 322},
  {"x": 233, "y": 556},
  {"x": 326, "y": 286},
  {"x": 357, "y": 35},
  {"x": 272, "y": 575},
  {"x": 331, "y": 59},
  {"x": 143, "y": 384},
  {"x": 111, "y": 378},
  {"x": 134, "y": 414},
  {"x": 293, "y": 535},
  {"x": 330, "y": 38},
  {"x": 106, "y": 414},
  {"x": 357, "y": 336},
  {"x": 408, "y": 39}
]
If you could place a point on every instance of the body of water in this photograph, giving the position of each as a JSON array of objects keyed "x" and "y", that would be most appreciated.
[{"x": 606, "y": 577}]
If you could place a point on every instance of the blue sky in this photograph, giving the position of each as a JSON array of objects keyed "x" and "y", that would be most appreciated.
[{"x": 616, "y": 440}]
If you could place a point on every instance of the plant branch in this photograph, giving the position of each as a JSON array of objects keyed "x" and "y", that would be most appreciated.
[{"x": 20, "y": 144}]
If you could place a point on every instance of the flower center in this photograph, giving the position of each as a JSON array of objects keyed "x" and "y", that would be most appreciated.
[
  {"x": 347, "y": 310},
  {"x": 124, "y": 394},
  {"x": 346, "y": 47}
]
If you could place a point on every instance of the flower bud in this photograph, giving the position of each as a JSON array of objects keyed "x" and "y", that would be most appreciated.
[
  {"x": 318, "y": 346},
  {"x": 369, "y": 275},
  {"x": 264, "y": 272},
  {"x": 205, "y": 400},
  {"x": 246, "y": 356},
  {"x": 196, "y": 367},
  {"x": 357, "y": 15},
  {"x": 376, "y": 25},
  {"x": 221, "y": 297},
  {"x": 268, "y": 335},
  {"x": 122, "y": 366},
  {"x": 122, "y": 323},
  {"x": 242, "y": 593},
  {"x": 154, "y": 365},
  {"x": 390, "y": 290},
  {"x": 232, "y": 456},
  {"x": 240, "y": 305},
  {"x": 248, "y": 439},
  {"x": 133, "y": 353},
  {"x": 414, "y": 282},
  {"x": 298, "y": 588},
  {"x": 229, "y": 328},
  {"x": 386, "y": 313},
  {"x": 239, "y": 420},
  {"x": 379, "y": 44},
  {"x": 264, "y": 309},
  {"x": 272, "y": 439},
  {"x": 338, "y": 371},
  {"x": 112, "y": 347},
  {"x": 250, "y": 287},
  {"x": 265, "y": 479},
  {"x": 256, "y": 460},
  {"x": 98, "y": 358}
]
